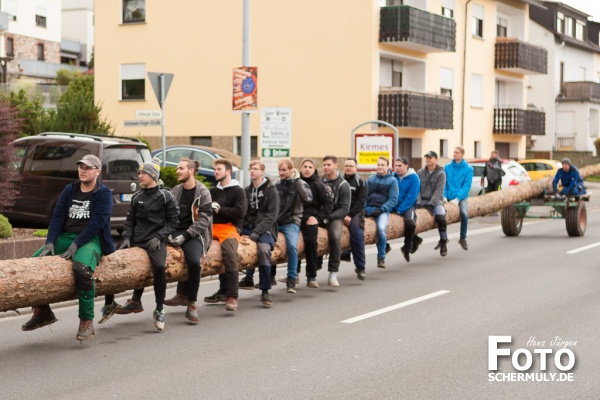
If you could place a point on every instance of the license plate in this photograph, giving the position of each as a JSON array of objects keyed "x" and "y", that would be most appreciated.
[{"x": 125, "y": 197}]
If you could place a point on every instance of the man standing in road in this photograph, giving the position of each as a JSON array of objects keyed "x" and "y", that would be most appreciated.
[
  {"x": 459, "y": 177},
  {"x": 193, "y": 235},
  {"x": 229, "y": 208},
  {"x": 493, "y": 172},
  {"x": 355, "y": 220},
  {"x": 382, "y": 196},
  {"x": 408, "y": 191},
  {"x": 79, "y": 231},
  {"x": 431, "y": 198},
  {"x": 260, "y": 224}
]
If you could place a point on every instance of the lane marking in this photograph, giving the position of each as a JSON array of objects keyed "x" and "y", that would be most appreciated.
[
  {"x": 395, "y": 307},
  {"x": 584, "y": 248}
]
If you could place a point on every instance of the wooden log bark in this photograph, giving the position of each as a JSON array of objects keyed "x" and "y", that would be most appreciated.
[{"x": 35, "y": 281}]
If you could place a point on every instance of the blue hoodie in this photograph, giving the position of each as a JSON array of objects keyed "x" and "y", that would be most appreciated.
[
  {"x": 382, "y": 192},
  {"x": 571, "y": 181},
  {"x": 459, "y": 177},
  {"x": 409, "y": 187}
]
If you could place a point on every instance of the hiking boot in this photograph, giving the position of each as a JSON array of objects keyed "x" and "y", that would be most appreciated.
[
  {"x": 388, "y": 248},
  {"x": 415, "y": 244},
  {"x": 381, "y": 263},
  {"x": 291, "y": 285},
  {"x": 42, "y": 316},
  {"x": 108, "y": 311},
  {"x": 463, "y": 243},
  {"x": 405, "y": 253},
  {"x": 217, "y": 297},
  {"x": 86, "y": 330},
  {"x": 312, "y": 283},
  {"x": 159, "y": 320},
  {"x": 231, "y": 304},
  {"x": 443, "y": 248},
  {"x": 247, "y": 283},
  {"x": 332, "y": 281},
  {"x": 192, "y": 313},
  {"x": 360, "y": 273},
  {"x": 346, "y": 256},
  {"x": 273, "y": 281},
  {"x": 177, "y": 300},
  {"x": 132, "y": 306},
  {"x": 265, "y": 299}
]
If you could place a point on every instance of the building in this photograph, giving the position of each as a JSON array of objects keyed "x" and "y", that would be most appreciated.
[
  {"x": 444, "y": 72},
  {"x": 77, "y": 43}
]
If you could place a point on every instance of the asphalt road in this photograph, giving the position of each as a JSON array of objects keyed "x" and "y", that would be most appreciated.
[{"x": 323, "y": 343}]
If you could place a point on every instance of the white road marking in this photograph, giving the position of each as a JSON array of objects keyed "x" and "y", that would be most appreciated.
[
  {"x": 584, "y": 248},
  {"x": 395, "y": 307}
]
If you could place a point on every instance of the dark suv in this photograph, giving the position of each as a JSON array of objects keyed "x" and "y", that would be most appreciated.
[{"x": 47, "y": 163}]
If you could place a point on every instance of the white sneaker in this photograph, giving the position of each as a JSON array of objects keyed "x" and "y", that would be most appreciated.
[
  {"x": 159, "y": 320},
  {"x": 332, "y": 281}
]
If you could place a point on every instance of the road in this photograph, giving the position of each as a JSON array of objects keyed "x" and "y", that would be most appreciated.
[{"x": 310, "y": 345}]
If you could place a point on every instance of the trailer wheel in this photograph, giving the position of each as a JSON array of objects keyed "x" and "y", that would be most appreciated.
[
  {"x": 511, "y": 221},
  {"x": 576, "y": 219}
]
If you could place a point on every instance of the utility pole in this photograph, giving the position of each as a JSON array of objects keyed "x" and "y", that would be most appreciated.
[{"x": 245, "y": 173}]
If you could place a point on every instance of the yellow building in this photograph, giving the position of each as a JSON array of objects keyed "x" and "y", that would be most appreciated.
[{"x": 425, "y": 66}]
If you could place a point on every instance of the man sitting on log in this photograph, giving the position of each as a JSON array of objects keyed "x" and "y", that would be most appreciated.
[
  {"x": 194, "y": 233},
  {"x": 459, "y": 177},
  {"x": 79, "y": 231},
  {"x": 570, "y": 180},
  {"x": 409, "y": 186}
]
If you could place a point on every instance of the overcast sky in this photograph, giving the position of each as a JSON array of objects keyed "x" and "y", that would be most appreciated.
[{"x": 591, "y": 7}]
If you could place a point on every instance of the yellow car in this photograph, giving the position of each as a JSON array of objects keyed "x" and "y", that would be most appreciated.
[{"x": 538, "y": 168}]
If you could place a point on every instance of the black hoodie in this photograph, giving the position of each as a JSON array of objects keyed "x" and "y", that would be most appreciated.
[{"x": 321, "y": 204}]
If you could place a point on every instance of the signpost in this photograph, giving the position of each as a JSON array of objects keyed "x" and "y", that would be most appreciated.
[
  {"x": 368, "y": 147},
  {"x": 275, "y": 136},
  {"x": 161, "y": 83}
]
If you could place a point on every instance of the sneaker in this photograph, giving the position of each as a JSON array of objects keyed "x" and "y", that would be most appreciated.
[
  {"x": 360, "y": 273},
  {"x": 192, "y": 313},
  {"x": 297, "y": 280},
  {"x": 443, "y": 248},
  {"x": 265, "y": 299},
  {"x": 159, "y": 320},
  {"x": 346, "y": 256},
  {"x": 380, "y": 263},
  {"x": 388, "y": 248},
  {"x": 108, "y": 311},
  {"x": 284, "y": 280},
  {"x": 405, "y": 253},
  {"x": 215, "y": 298},
  {"x": 291, "y": 285},
  {"x": 332, "y": 281},
  {"x": 86, "y": 330},
  {"x": 415, "y": 244},
  {"x": 132, "y": 306},
  {"x": 177, "y": 300},
  {"x": 463, "y": 243},
  {"x": 42, "y": 316},
  {"x": 247, "y": 283},
  {"x": 312, "y": 283},
  {"x": 273, "y": 281},
  {"x": 231, "y": 304}
]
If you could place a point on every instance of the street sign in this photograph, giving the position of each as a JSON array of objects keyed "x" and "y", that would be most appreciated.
[
  {"x": 279, "y": 153},
  {"x": 148, "y": 114},
  {"x": 154, "y": 78},
  {"x": 275, "y": 136},
  {"x": 141, "y": 122},
  {"x": 369, "y": 147}
]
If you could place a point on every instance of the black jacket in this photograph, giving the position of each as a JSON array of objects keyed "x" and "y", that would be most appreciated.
[
  {"x": 263, "y": 208},
  {"x": 358, "y": 194},
  {"x": 493, "y": 170},
  {"x": 153, "y": 213},
  {"x": 320, "y": 204},
  {"x": 292, "y": 195},
  {"x": 232, "y": 199},
  {"x": 340, "y": 191}
]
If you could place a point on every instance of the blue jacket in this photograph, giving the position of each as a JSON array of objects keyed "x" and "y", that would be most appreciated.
[
  {"x": 101, "y": 204},
  {"x": 409, "y": 187},
  {"x": 382, "y": 192},
  {"x": 459, "y": 178},
  {"x": 571, "y": 181}
]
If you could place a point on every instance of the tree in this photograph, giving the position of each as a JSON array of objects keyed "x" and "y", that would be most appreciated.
[
  {"x": 9, "y": 176},
  {"x": 31, "y": 113}
]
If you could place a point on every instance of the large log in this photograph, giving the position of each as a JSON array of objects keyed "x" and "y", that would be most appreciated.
[{"x": 35, "y": 281}]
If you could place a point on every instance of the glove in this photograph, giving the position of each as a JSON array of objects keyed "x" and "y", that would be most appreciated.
[
  {"x": 216, "y": 207},
  {"x": 254, "y": 236},
  {"x": 125, "y": 244},
  {"x": 376, "y": 213},
  {"x": 295, "y": 173},
  {"x": 177, "y": 241},
  {"x": 70, "y": 253},
  {"x": 454, "y": 201},
  {"x": 48, "y": 249},
  {"x": 153, "y": 244}
]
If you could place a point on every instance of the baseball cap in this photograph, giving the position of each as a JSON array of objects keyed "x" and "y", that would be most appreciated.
[
  {"x": 91, "y": 161},
  {"x": 431, "y": 154},
  {"x": 404, "y": 160}
]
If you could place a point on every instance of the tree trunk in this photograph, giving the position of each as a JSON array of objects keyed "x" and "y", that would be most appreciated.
[{"x": 34, "y": 281}]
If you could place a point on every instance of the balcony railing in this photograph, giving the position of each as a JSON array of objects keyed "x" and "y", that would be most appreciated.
[
  {"x": 44, "y": 69},
  {"x": 415, "y": 29},
  {"x": 520, "y": 122},
  {"x": 566, "y": 142},
  {"x": 580, "y": 91},
  {"x": 524, "y": 58},
  {"x": 415, "y": 110}
]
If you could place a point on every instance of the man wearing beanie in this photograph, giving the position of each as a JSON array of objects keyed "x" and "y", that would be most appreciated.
[
  {"x": 153, "y": 215},
  {"x": 570, "y": 180}
]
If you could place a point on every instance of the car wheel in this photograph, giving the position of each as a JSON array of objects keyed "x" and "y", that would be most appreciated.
[
  {"x": 576, "y": 219},
  {"x": 511, "y": 221}
]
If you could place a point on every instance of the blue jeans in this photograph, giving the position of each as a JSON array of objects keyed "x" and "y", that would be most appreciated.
[
  {"x": 264, "y": 246},
  {"x": 291, "y": 232},
  {"x": 357, "y": 240},
  {"x": 464, "y": 217},
  {"x": 382, "y": 223}
]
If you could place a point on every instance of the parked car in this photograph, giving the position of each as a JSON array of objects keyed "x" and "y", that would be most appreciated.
[
  {"x": 47, "y": 163},
  {"x": 539, "y": 168},
  {"x": 205, "y": 155},
  {"x": 512, "y": 174}
]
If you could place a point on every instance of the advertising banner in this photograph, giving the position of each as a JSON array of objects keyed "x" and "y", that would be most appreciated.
[{"x": 245, "y": 89}]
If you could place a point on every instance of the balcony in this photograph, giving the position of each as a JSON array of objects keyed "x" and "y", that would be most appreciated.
[
  {"x": 42, "y": 69},
  {"x": 415, "y": 110},
  {"x": 580, "y": 91},
  {"x": 520, "y": 57},
  {"x": 519, "y": 122},
  {"x": 410, "y": 28}
]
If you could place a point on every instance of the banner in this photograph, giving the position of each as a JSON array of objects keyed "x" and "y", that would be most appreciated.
[{"x": 245, "y": 85}]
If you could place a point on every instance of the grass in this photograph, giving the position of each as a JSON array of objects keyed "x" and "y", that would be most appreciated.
[{"x": 593, "y": 178}]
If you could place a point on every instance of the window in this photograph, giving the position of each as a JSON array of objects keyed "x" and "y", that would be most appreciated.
[
  {"x": 202, "y": 141},
  {"x": 10, "y": 47},
  {"x": 133, "y": 82},
  {"x": 443, "y": 147},
  {"x": 446, "y": 81},
  {"x": 569, "y": 26},
  {"x": 40, "y": 21},
  {"x": 501, "y": 27},
  {"x": 40, "y": 52},
  {"x": 448, "y": 8},
  {"x": 134, "y": 11},
  {"x": 593, "y": 123},
  {"x": 477, "y": 90},
  {"x": 397, "y": 73},
  {"x": 10, "y": 7},
  {"x": 477, "y": 21},
  {"x": 477, "y": 148},
  {"x": 579, "y": 30},
  {"x": 253, "y": 145},
  {"x": 560, "y": 22}
]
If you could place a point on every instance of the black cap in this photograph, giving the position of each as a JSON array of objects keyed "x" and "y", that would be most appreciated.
[
  {"x": 404, "y": 160},
  {"x": 431, "y": 154}
]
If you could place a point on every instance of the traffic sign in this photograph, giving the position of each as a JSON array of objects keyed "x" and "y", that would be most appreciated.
[{"x": 155, "y": 81}]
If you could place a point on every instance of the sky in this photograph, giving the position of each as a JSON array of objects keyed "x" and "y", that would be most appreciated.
[{"x": 591, "y": 7}]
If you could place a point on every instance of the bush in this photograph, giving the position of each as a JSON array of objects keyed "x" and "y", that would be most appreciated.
[
  {"x": 597, "y": 144},
  {"x": 41, "y": 233},
  {"x": 169, "y": 177},
  {"x": 10, "y": 124},
  {"x": 5, "y": 227}
]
